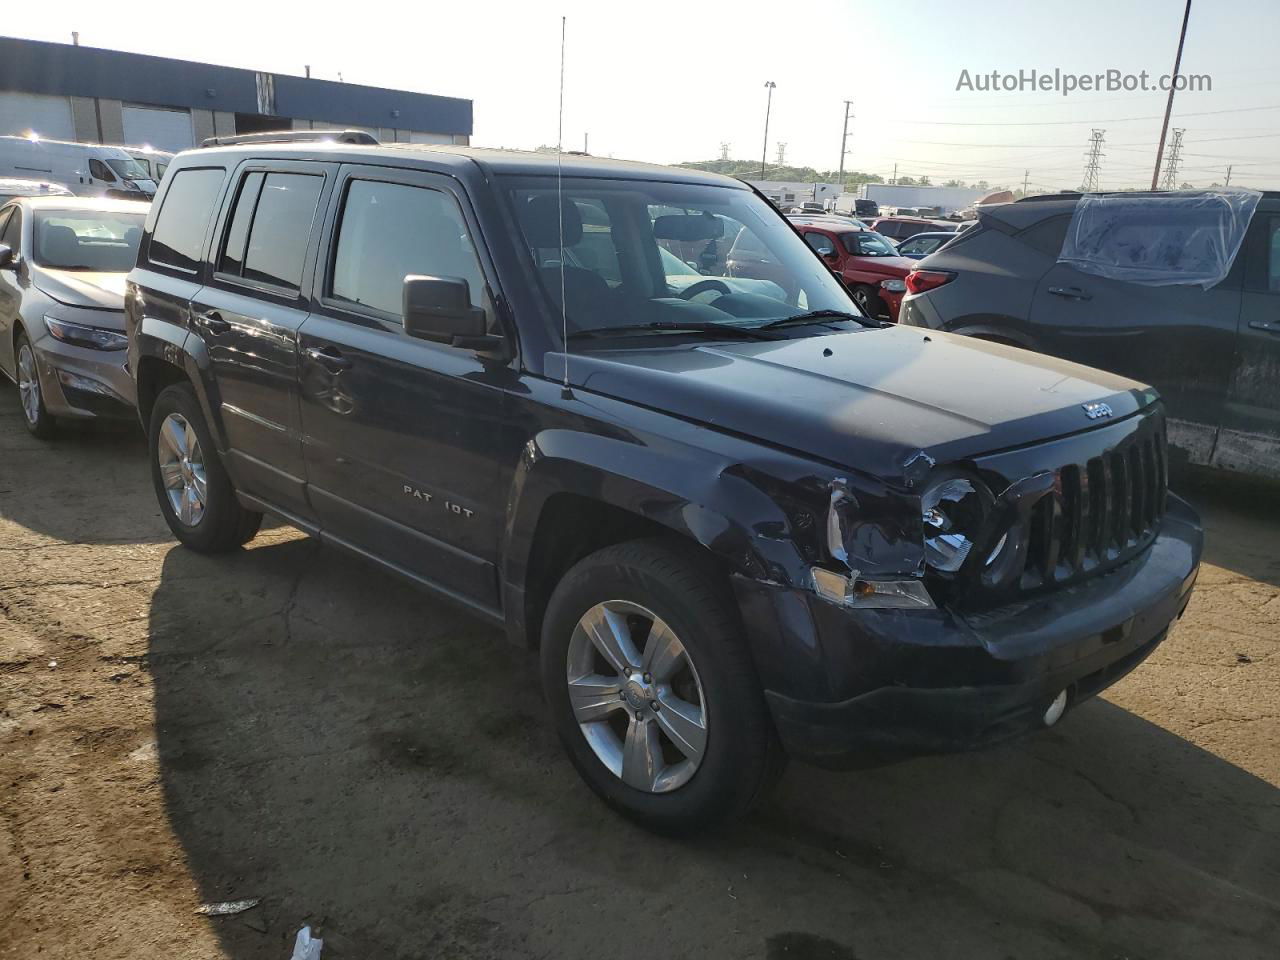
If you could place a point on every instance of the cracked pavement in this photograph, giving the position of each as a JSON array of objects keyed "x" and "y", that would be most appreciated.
[{"x": 288, "y": 723}]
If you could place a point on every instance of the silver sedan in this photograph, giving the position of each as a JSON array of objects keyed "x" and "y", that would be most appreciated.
[{"x": 63, "y": 263}]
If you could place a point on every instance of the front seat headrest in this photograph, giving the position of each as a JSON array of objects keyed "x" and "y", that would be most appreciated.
[{"x": 541, "y": 221}]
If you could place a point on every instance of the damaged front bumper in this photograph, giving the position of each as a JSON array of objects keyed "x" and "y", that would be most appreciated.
[{"x": 846, "y": 686}]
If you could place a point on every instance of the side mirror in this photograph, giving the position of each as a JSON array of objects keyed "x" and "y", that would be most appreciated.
[
  {"x": 6, "y": 256},
  {"x": 440, "y": 309}
]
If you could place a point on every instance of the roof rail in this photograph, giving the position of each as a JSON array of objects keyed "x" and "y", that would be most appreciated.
[{"x": 294, "y": 136}]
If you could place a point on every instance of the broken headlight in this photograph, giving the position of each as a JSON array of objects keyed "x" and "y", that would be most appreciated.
[{"x": 955, "y": 509}]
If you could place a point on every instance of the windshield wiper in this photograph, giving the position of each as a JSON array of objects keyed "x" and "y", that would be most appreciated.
[
  {"x": 728, "y": 331},
  {"x": 815, "y": 315}
]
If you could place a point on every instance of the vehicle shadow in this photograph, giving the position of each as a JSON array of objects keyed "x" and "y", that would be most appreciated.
[
  {"x": 89, "y": 484},
  {"x": 369, "y": 761},
  {"x": 1241, "y": 518}
]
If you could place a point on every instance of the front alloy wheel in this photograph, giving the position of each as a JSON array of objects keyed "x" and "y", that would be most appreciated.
[
  {"x": 652, "y": 689},
  {"x": 636, "y": 696},
  {"x": 37, "y": 418}
]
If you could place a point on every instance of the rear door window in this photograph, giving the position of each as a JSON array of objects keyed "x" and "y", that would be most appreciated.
[
  {"x": 281, "y": 227},
  {"x": 177, "y": 240}
]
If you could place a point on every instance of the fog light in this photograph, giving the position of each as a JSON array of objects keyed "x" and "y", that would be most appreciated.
[{"x": 1056, "y": 709}]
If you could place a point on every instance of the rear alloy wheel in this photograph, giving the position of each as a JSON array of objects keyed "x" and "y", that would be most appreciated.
[
  {"x": 652, "y": 690},
  {"x": 38, "y": 420},
  {"x": 196, "y": 496},
  {"x": 182, "y": 469}
]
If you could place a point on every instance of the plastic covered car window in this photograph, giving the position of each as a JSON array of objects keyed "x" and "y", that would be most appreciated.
[{"x": 1186, "y": 237}]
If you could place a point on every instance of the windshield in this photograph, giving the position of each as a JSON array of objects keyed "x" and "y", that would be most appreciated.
[
  {"x": 87, "y": 240},
  {"x": 638, "y": 253},
  {"x": 866, "y": 243},
  {"x": 127, "y": 168}
]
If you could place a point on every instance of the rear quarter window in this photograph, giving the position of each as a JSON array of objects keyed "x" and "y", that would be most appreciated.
[
  {"x": 177, "y": 240},
  {"x": 1047, "y": 236}
]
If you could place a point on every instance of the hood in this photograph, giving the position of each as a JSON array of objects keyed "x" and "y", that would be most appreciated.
[
  {"x": 81, "y": 288},
  {"x": 887, "y": 266},
  {"x": 876, "y": 403}
]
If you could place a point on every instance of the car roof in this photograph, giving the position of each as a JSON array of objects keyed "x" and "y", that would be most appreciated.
[
  {"x": 833, "y": 224},
  {"x": 514, "y": 162},
  {"x": 103, "y": 204},
  {"x": 1027, "y": 211},
  {"x": 9, "y": 183},
  {"x": 907, "y": 220}
]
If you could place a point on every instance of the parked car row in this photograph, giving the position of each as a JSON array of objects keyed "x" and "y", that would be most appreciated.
[{"x": 630, "y": 416}]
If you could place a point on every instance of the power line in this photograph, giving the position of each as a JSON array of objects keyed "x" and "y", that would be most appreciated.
[{"x": 1072, "y": 123}]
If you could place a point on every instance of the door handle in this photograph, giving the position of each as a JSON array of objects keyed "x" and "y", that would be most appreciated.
[
  {"x": 328, "y": 357},
  {"x": 213, "y": 322},
  {"x": 1071, "y": 293},
  {"x": 1264, "y": 325}
]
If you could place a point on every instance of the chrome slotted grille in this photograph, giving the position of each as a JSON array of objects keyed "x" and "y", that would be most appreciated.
[{"x": 1098, "y": 511}]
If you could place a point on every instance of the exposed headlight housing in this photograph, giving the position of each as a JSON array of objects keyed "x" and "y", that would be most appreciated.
[
  {"x": 893, "y": 286},
  {"x": 79, "y": 335},
  {"x": 955, "y": 508},
  {"x": 852, "y": 591}
]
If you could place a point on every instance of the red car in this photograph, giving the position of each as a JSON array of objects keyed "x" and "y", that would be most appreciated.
[{"x": 867, "y": 263}]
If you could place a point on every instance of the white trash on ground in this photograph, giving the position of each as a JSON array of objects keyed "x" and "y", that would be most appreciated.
[
  {"x": 306, "y": 947},
  {"x": 228, "y": 908}
]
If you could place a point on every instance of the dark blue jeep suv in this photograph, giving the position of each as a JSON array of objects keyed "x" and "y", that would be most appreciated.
[{"x": 739, "y": 519}]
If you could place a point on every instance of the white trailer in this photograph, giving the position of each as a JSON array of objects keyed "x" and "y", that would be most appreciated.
[
  {"x": 86, "y": 169},
  {"x": 943, "y": 199}
]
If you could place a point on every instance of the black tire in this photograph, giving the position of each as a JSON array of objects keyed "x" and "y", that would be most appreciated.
[
  {"x": 743, "y": 758},
  {"x": 225, "y": 524},
  {"x": 44, "y": 426},
  {"x": 870, "y": 302}
]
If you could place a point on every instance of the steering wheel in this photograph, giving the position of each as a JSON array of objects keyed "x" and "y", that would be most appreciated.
[{"x": 702, "y": 286}]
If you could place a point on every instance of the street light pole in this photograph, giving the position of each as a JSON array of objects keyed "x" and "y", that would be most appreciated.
[{"x": 768, "y": 105}]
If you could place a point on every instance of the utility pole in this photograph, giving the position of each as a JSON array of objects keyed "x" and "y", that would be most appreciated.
[
  {"x": 1173, "y": 87},
  {"x": 724, "y": 151},
  {"x": 1228, "y": 181},
  {"x": 585, "y": 135},
  {"x": 895, "y": 172},
  {"x": 1175, "y": 156},
  {"x": 768, "y": 105},
  {"x": 1026, "y": 178},
  {"x": 844, "y": 142},
  {"x": 782, "y": 154},
  {"x": 1094, "y": 155},
  {"x": 306, "y": 70},
  {"x": 75, "y": 38}
]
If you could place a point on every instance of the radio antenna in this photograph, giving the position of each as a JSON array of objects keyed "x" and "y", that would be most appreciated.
[{"x": 564, "y": 310}]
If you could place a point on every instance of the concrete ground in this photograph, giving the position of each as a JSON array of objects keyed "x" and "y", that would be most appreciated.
[{"x": 287, "y": 723}]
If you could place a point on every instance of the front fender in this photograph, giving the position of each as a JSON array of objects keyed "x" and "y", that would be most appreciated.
[{"x": 694, "y": 493}]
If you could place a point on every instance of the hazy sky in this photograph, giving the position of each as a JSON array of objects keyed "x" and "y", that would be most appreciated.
[{"x": 667, "y": 81}]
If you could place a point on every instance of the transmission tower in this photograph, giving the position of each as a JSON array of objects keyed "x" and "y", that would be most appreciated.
[
  {"x": 724, "y": 151},
  {"x": 1092, "y": 167},
  {"x": 1172, "y": 160},
  {"x": 782, "y": 154}
]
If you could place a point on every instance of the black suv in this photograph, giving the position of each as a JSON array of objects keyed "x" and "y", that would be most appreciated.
[
  {"x": 739, "y": 519},
  {"x": 1214, "y": 354}
]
